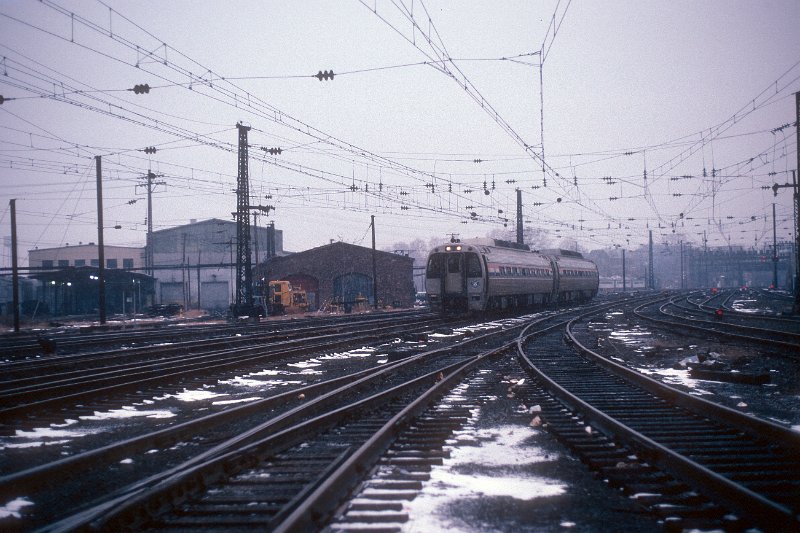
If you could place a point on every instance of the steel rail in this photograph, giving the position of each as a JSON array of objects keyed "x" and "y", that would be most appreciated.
[
  {"x": 709, "y": 309},
  {"x": 155, "y": 372},
  {"x": 28, "y": 343},
  {"x": 215, "y": 464},
  {"x": 717, "y": 331},
  {"x": 318, "y": 508},
  {"x": 738, "y": 497},
  {"x": 14, "y": 372}
]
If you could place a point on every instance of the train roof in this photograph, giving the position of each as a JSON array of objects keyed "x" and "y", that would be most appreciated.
[
  {"x": 498, "y": 243},
  {"x": 562, "y": 253}
]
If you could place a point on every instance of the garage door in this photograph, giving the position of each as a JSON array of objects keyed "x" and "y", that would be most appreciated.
[
  {"x": 350, "y": 288},
  {"x": 214, "y": 295},
  {"x": 172, "y": 293}
]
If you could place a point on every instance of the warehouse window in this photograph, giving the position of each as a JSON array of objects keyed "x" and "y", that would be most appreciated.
[
  {"x": 80, "y": 262},
  {"x": 47, "y": 263},
  {"x": 127, "y": 263}
]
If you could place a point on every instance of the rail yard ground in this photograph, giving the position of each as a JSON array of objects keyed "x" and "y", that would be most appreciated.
[{"x": 504, "y": 462}]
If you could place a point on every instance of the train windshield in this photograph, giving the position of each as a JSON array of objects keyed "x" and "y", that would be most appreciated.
[
  {"x": 454, "y": 263},
  {"x": 473, "y": 266},
  {"x": 435, "y": 266}
]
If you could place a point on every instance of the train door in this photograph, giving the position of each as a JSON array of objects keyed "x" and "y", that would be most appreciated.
[
  {"x": 556, "y": 279},
  {"x": 454, "y": 281}
]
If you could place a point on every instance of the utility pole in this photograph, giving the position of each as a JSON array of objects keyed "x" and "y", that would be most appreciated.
[
  {"x": 374, "y": 267},
  {"x": 520, "y": 237},
  {"x": 624, "y": 282},
  {"x": 705, "y": 260},
  {"x": 682, "y": 283},
  {"x": 774, "y": 251},
  {"x": 794, "y": 187},
  {"x": 651, "y": 283},
  {"x": 101, "y": 255},
  {"x": 148, "y": 253},
  {"x": 271, "y": 240},
  {"x": 796, "y": 308},
  {"x": 255, "y": 239},
  {"x": 14, "y": 267}
]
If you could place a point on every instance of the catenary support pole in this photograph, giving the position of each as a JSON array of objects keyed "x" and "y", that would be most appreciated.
[
  {"x": 14, "y": 267},
  {"x": 651, "y": 283},
  {"x": 706, "y": 282},
  {"x": 520, "y": 236},
  {"x": 101, "y": 256},
  {"x": 797, "y": 207},
  {"x": 796, "y": 308},
  {"x": 244, "y": 273},
  {"x": 624, "y": 281},
  {"x": 374, "y": 267},
  {"x": 774, "y": 250}
]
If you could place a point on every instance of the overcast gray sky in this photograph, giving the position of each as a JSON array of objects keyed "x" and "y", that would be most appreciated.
[{"x": 692, "y": 94}]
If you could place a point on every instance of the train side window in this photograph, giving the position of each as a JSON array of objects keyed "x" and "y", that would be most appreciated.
[
  {"x": 435, "y": 266},
  {"x": 473, "y": 266},
  {"x": 454, "y": 263}
]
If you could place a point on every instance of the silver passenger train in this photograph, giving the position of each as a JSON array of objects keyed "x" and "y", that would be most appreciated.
[{"x": 488, "y": 274}]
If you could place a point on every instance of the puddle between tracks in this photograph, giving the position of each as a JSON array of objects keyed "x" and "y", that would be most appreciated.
[{"x": 485, "y": 463}]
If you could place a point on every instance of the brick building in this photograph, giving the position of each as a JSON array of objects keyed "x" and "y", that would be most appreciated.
[{"x": 342, "y": 273}]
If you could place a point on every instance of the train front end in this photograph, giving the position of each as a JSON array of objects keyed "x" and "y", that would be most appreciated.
[{"x": 455, "y": 279}]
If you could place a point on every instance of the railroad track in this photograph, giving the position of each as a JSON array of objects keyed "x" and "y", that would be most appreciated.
[
  {"x": 311, "y": 424},
  {"x": 694, "y": 463},
  {"x": 69, "y": 340},
  {"x": 341, "y": 411},
  {"x": 29, "y": 387},
  {"x": 678, "y": 314},
  {"x": 690, "y": 463},
  {"x": 141, "y": 406},
  {"x": 727, "y": 301}
]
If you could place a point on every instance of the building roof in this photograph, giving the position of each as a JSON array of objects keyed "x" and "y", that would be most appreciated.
[
  {"x": 87, "y": 245},
  {"x": 200, "y": 223},
  {"x": 345, "y": 248},
  {"x": 214, "y": 221}
]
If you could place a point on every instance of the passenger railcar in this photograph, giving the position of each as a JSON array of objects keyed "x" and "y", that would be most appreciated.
[{"x": 487, "y": 274}]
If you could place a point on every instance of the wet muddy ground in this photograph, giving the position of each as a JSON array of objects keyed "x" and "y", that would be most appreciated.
[{"x": 504, "y": 475}]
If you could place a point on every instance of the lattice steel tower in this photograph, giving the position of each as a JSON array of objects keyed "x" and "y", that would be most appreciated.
[{"x": 244, "y": 272}]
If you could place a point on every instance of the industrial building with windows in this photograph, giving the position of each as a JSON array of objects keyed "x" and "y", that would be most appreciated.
[
  {"x": 195, "y": 264},
  {"x": 192, "y": 265}
]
